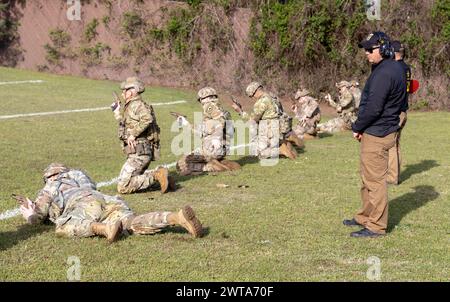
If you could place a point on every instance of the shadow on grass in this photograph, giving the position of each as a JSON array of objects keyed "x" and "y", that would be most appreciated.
[
  {"x": 181, "y": 230},
  {"x": 25, "y": 231},
  {"x": 403, "y": 205},
  {"x": 423, "y": 166},
  {"x": 246, "y": 160},
  {"x": 324, "y": 135}
]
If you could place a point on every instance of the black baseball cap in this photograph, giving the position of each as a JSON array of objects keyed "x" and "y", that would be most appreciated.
[
  {"x": 373, "y": 39},
  {"x": 397, "y": 46}
]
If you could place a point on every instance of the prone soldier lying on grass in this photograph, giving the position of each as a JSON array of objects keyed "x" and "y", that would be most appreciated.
[{"x": 71, "y": 201}]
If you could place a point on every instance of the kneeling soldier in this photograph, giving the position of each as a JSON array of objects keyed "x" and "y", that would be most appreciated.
[
  {"x": 139, "y": 134},
  {"x": 273, "y": 124},
  {"x": 216, "y": 132}
]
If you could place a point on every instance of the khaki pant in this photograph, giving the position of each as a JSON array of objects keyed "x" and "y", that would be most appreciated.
[
  {"x": 374, "y": 166},
  {"x": 395, "y": 158},
  {"x": 134, "y": 175}
]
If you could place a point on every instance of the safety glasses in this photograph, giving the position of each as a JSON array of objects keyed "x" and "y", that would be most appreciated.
[{"x": 370, "y": 50}]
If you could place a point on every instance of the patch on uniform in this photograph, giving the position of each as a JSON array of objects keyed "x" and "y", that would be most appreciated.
[
  {"x": 213, "y": 111},
  {"x": 369, "y": 36}
]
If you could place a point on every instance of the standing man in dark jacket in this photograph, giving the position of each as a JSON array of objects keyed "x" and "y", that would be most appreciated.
[
  {"x": 395, "y": 159},
  {"x": 377, "y": 129}
]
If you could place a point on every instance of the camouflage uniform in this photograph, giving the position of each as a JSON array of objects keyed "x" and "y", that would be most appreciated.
[
  {"x": 308, "y": 114},
  {"x": 356, "y": 92},
  {"x": 346, "y": 108},
  {"x": 72, "y": 203},
  {"x": 138, "y": 119},
  {"x": 266, "y": 115},
  {"x": 216, "y": 132}
]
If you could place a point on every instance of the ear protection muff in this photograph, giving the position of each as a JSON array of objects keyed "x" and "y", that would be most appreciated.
[{"x": 386, "y": 49}]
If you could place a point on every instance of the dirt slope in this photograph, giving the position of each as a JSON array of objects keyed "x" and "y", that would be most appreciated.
[{"x": 40, "y": 17}]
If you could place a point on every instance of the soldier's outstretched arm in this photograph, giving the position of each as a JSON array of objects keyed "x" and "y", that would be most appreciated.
[
  {"x": 181, "y": 119},
  {"x": 37, "y": 211},
  {"x": 238, "y": 108},
  {"x": 116, "y": 107},
  {"x": 331, "y": 101}
]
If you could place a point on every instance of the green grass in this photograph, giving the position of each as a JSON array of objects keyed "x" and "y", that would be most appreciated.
[{"x": 286, "y": 226}]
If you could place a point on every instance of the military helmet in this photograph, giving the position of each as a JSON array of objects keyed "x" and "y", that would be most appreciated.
[
  {"x": 54, "y": 169},
  {"x": 133, "y": 82},
  {"x": 206, "y": 92},
  {"x": 342, "y": 84},
  {"x": 251, "y": 89},
  {"x": 301, "y": 93}
]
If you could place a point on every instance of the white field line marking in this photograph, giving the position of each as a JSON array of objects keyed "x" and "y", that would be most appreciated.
[
  {"x": 21, "y": 82},
  {"x": 10, "y": 214},
  {"x": 5, "y": 117},
  {"x": 16, "y": 212}
]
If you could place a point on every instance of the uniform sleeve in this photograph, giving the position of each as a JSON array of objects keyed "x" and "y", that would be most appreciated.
[
  {"x": 333, "y": 103},
  {"x": 258, "y": 110},
  {"x": 42, "y": 203},
  {"x": 376, "y": 99},
  {"x": 311, "y": 108},
  {"x": 346, "y": 99},
  {"x": 142, "y": 117}
]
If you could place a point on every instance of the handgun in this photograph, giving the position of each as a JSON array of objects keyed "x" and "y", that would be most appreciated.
[
  {"x": 22, "y": 200},
  {"x": 233, "y": 99}
]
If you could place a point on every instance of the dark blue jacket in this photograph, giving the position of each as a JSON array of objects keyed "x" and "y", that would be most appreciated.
[
  {"x": 382, "y": 100},
  {"x": 407, "y": 71}
]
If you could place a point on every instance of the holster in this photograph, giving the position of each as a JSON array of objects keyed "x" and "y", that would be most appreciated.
[
  {"x": 122, "y": 132},
  {"x": 156, "y": 150}
]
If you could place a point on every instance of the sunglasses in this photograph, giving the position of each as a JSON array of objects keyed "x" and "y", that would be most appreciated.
[{"x": 370, "y": 50}]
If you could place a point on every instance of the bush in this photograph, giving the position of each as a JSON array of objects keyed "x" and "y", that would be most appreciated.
[
  {"x": 58, "y": 47},
  {"x": 91, "y": 30},
  {"x": 8, "y": 26},
  {"x": 132, "y": 24},
  {"x": 93, "y": 55},
  {"x": 301, "y": 37}
]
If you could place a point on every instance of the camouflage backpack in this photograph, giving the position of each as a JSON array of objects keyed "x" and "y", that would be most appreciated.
[{"x": 284, "y": 119}]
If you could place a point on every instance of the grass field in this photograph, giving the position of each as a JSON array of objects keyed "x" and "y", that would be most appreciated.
[{"x": 286, "y": 226}]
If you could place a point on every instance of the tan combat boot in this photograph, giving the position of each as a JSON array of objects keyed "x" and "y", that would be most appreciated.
[
  {"x": 110, "y": 231},
  {"x": 296, "y": 140},
  {"x": 215, "y": 166},
  {"x": 162, "y": 176},
  {"x": 287, "y": 150},
  {"x": 307, "y": 136},
  {"x": 186, "y": 218},
  {"x": 232, "y": 165}
]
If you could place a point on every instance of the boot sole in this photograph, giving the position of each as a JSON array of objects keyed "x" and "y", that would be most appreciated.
[
  {"x": 165, "y": 187},
  {"x": 172, "y": 185},
  {"x": 117, "y": 231},
  {"x": 289, "y": 153},
  {"x": 191, "y": 222}
]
